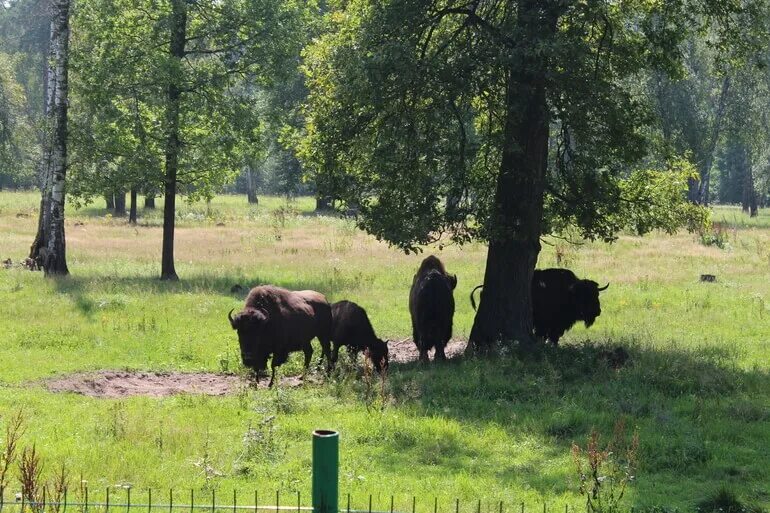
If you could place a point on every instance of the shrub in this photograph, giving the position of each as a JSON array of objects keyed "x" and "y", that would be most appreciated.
[
  {"x": 605, "y": 473},
  {"x": 725, "y": 501},
  {"x": 715, "y": 235}
]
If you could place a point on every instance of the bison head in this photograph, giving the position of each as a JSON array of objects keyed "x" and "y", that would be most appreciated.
[
  {"x": 378, "y": 353},
  {"x": 250, "y": 324},
  {"x": 585, "y": 297}
]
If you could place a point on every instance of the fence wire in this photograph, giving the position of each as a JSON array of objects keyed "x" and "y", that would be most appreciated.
[{"x": 20, "y": 503}]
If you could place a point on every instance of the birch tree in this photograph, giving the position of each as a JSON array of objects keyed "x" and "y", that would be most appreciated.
[{"x": 49, "y": 247}]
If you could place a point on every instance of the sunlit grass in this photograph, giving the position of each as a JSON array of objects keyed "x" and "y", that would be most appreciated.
[{"x": 697, "y": 389}]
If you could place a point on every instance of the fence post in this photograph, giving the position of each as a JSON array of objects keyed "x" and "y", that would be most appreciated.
[{"x": 326, "y": 462}]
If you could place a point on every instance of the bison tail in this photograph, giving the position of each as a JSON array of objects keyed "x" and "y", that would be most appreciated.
[{"x": 473, "y": 301}]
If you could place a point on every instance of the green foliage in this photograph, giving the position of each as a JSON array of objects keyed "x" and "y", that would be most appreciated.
[
  {"x": 407, "y": 104},
  {"x": 16, "y": 128},
  {"x": 121, "y": 70},
  {"x": 656, "y": 201},
  {"x": 647, "y": 200},
  {"x": 715, "y": 234}
]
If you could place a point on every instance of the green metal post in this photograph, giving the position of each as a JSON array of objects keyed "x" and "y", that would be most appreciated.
[{"x": 326, "y": 464}]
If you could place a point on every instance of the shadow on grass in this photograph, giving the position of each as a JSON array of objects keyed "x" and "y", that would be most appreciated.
[
  {"x": 700, "y": 417},
  {"x": 86, "y": 291}
]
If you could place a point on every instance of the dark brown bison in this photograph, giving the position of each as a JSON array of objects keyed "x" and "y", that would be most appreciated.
[
  {"x": 432, "y": 306},
  {"x": 559, "y": 300},
  {"x": 276, "y": 322},
  {"x": 351, "y": 328}
]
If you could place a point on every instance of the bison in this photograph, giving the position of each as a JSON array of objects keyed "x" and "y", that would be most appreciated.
[
  {"x": 351, "y": 328},
  {"x": 276, "y": 322},
  {"x": 559, "y": 300},
  {"x": 432, "y": 306}
]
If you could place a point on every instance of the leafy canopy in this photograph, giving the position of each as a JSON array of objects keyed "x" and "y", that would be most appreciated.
[
  {"x": 406, "y": 110},
  {"x": 122, "y": 70}
]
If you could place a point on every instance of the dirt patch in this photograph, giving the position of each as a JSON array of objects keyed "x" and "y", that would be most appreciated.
[
  {"x": 117, "y": 384},
  {"x": 404, "y": 351}
]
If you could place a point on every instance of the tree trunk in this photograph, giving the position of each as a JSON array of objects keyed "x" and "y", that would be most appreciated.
[
  {"x": 132, "y": 210},
  {"x": 251, "y": 186},
  {"x": 120, "y": 203},
  {"x": 749, "y": 191},
  {"x": 323, "y": 203},
  {"x": 693, "y": 189},
  {"x": 149, "y": 201},
  {"x": 703, "y": 192},
  {"x": 505, "y": 311},
  {"x": 37, "y": 250},
  {"x": 109, "y": 200},
  {"x": 55, "y": 262},
  {"x": 748, "y": 184},
  {"x": 173, "y": 93}
]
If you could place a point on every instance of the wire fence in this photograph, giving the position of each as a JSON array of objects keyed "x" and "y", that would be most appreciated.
[{"x": 171, "y": 501}]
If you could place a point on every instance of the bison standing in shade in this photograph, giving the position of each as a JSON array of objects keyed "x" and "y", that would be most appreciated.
[
  {"x": 559, "y": 300},
  {"x": 276, "y": 322},
  {"x": 351, "y": 328},
  {"x": 432, "y": 307}
]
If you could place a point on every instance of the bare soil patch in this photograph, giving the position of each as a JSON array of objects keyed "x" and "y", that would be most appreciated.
[
  {"x": 117, "y": 384},
  {"x": 404, "y": 351}
]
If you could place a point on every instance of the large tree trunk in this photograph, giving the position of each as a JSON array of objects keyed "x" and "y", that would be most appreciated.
[
  {"x": 132, "y": 209},
  {"x": 120, "y": 203},
  {"x": 49, "y": 246},
  {"x": 37, "y": 249},
  {"x": 251, "y": 186},
  {"x": 149, "y": 201},
  {"x": 505, "y": 311},
  {"x": 173, "y": 92},
  {"x": 55, "y": 262}
]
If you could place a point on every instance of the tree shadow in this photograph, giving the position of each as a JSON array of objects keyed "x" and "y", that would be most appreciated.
[
  {"x": 700, "y": 416},
  {"x": 86, "y": 291}
]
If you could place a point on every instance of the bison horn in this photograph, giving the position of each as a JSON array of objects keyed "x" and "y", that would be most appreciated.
[
  {"x": 604, "y": 288},
  {"x": 230, "y": 316}
]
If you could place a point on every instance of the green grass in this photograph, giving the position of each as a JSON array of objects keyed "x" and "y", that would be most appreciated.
[{"x": 697, "y": 390}]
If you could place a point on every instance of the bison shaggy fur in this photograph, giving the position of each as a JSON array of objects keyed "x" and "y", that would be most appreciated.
[
  {"x": 351, "y": 328},
  {"x": 432, "y": 307},
  {"x": 560, "y": 299},
  {"x": 275, "y": 322}
]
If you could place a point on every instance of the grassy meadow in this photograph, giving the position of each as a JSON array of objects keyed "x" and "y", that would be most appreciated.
[{"x": 697, "y": 388}]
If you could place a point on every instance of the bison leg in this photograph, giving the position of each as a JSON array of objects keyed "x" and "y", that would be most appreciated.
[
  {"x": 439, "y": 355},
  {"x": 554, "y": 337},
  {"x": 326, "y": 352},
  {"x": 335, "y": 353},
  {"x": 308, "y": 350},
  {"x": 272, "y": 375},
  {"x": 424, "y": 356}
]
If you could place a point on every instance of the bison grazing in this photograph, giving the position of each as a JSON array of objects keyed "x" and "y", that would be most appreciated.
[
  {"x": 351, "y": 328},
  {"x": 277, "y": 321},
  {"x": 559, "y": 300},
  {"x": 432, "y": 306}
]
